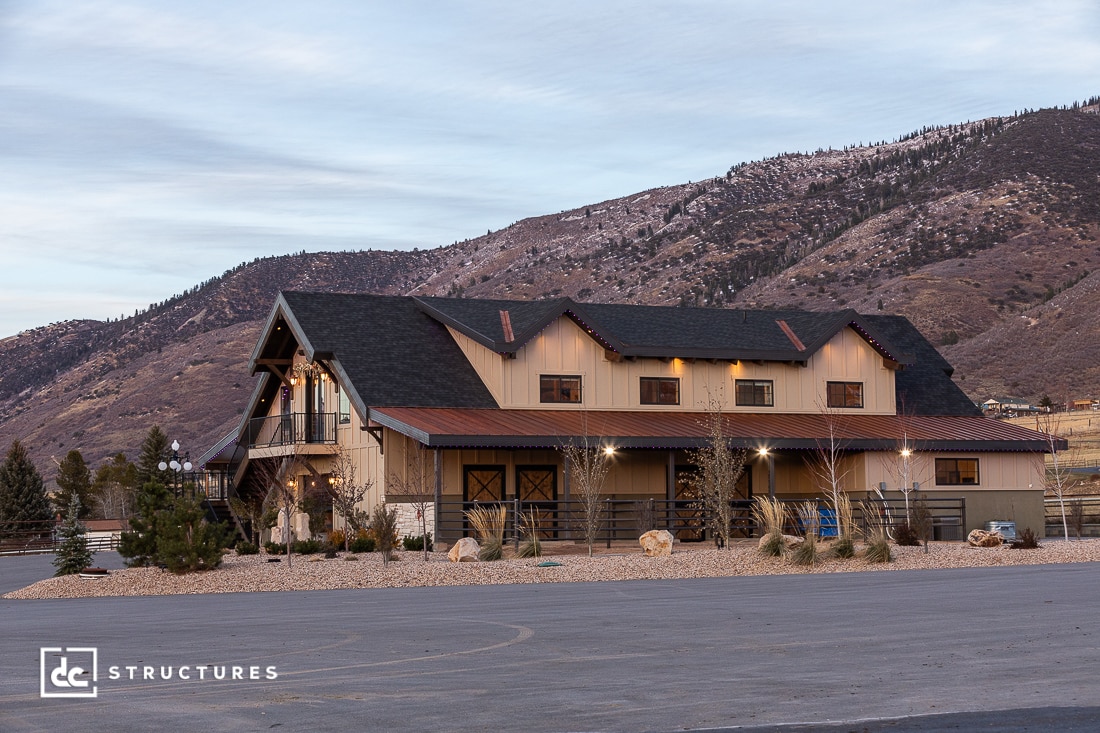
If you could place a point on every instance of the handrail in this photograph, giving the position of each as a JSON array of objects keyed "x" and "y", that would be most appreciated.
[{"x": 292, "y": 429}]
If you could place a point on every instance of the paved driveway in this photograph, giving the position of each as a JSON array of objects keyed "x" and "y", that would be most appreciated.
[{"x": 918, "y": 650}]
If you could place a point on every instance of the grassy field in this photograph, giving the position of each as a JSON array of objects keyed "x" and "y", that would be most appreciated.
[{"x": 1082, "y": 430}]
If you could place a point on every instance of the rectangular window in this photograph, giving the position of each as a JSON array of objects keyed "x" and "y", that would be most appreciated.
[
  {"x": 956, "y": 471},
  {"x": 660, "y": 390},
  {"x": 754, "y": 393},
  {"x": 844, "y": 394},
  {"x": 559, "y": 388},
  {"x": 344, "y": 405}
]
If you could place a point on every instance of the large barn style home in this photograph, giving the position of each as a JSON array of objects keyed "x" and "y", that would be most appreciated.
[{"x": 438, "y": 403}]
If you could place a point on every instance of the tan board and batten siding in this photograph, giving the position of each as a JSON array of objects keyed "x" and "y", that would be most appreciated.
[{"x": 564, "y": 348}]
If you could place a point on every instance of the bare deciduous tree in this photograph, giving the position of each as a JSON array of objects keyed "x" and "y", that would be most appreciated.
[
  {"x": 347, "y": 494},
  {"x": 718, "y": 469},
  {"x": 1057, "y": 477},
  {"x": 274, "y": 477},
  {"x": 588, "y": 467},
  {"x": 416, "y": 484}
]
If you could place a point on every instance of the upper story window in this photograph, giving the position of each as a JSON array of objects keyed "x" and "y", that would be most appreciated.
[
  {"x": 660, "y": 390},
  {"x": 754, "y": 393},
  {"x": 956, "y": 471},
  {"x": 559, "y": 388},
  {"x": 844, "y": 394},
  {"x": 344, "y": 404}
]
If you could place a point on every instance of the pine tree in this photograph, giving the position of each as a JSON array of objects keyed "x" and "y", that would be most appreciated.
[
  {"x": 153, "y": 450},
  {"x": 73, "y": 554},
  {"x": 22, "y": 496},
  {"x": 73, "y": 479},
  {"x": 186, "y": 542},
  {"x": 139, "y": 545}
]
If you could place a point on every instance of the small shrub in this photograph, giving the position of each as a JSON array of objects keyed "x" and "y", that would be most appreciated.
[
  {"x": 306, "y": 547},
  {"x": 336, "y": 538},
  {"x": 361, "y": 544},
  {"x": 275, "y": 548},
  {"x": 330, "y": 551},
  {"x": 244, "y": 547},
  {"x": 906, "y": 535},
  {"x": 416, "y": 543},
  {"x": 1026, "y": 540},
  {"x": 529, "y": 527},
  {"x": 384, "y": 527}
]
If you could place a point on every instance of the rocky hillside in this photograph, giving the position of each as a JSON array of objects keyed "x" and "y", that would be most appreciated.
[{"x": 984, "y": 234}]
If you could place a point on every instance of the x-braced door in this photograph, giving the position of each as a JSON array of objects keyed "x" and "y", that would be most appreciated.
[{"x": 537, "y": 489}]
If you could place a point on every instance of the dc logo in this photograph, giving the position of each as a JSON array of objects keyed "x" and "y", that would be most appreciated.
[{"x": 68, "y": 672}]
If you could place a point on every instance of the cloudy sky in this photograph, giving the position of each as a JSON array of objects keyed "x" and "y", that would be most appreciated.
[{"x": 146, "y": 146}]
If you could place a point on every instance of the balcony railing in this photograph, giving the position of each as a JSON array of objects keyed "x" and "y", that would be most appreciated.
[{"x": 296, "y": 428}]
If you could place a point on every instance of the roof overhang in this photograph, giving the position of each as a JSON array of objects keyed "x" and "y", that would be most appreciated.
[{"x": 486, "y": 428}]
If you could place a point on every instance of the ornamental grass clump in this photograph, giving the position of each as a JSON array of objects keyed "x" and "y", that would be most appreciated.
[
  {"x": 529, "y": 528},
  {"x": 845, "y": 546},
  {"x": 808, "y": 553},
  {"x": 769, "y": 515},
  {"x": 488, "y": 523}
]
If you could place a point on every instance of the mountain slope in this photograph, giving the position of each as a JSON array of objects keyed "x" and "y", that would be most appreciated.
[{"x": 985, "y": 235}]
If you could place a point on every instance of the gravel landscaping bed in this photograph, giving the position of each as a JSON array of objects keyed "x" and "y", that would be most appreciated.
[{"x": 253, "y": 573}]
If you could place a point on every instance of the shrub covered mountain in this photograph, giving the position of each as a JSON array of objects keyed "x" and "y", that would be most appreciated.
[{"x": 985, "y": 234}]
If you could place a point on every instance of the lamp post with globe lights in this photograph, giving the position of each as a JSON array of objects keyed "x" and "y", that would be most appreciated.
[{"x": 178, "y": 465}]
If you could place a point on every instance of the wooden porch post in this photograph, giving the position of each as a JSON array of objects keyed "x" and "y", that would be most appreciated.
[
  {"x": 438, "y": 494},
  {"x": 568, "y": 511}
]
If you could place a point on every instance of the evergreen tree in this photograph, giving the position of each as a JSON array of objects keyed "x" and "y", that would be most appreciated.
[
  {"x": 139, "y": 545},
  {"x": 73, "y": 554},
  {"x": 74, "y": 480},
  {"x": 22, "y": 495},
  {"x": 186, "y": 542},
  {"x": 153, "y": 450}
]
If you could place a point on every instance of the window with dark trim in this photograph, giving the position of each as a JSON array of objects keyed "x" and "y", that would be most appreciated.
[
  {"x": 559, "y": 388},
  {"x": 344, "y": 405},
  {"x": 660, "y": 390},
  {"x": 844, "y": 394},
  {"x": 754, "y": 393},
  {"x": 956, "y": 471}
]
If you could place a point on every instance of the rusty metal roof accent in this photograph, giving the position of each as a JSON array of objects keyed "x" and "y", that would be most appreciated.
[{"x": 456, "y": 428}]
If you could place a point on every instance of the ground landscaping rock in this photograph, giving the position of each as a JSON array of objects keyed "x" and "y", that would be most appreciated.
[
  {"x": 656, "y": 543},
  {"x": 465, "y": 550},
  {"x": 982, "y": 538}
]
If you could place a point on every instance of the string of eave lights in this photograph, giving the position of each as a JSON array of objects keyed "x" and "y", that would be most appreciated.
[{"x": 878, "y": 345}]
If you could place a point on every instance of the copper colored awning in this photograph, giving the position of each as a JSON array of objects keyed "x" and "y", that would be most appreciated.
[{"x": 486, "y": 428}]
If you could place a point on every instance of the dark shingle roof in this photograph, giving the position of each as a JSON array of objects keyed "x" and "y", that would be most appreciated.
[
  {"x": 660, "y": 331},
  {"x": 392, "y": 354},
  {"x": 396, "y": 351},
  {"x": 923, "y": 387}
]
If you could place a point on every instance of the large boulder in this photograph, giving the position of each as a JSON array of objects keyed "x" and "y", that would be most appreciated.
[
  {"x": 656, "y": 543},
  {"x": 465, "y": 550},
  {"x": 982, "y": 538}
]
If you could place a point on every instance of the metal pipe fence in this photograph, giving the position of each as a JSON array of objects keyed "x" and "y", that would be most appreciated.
[{"x": 626, "y": 519}]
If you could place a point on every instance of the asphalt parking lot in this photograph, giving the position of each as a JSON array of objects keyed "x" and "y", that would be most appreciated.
[{"x": 1011, "y": 648}]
